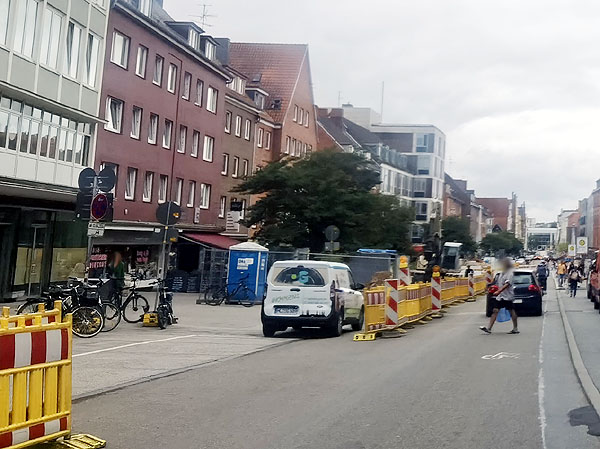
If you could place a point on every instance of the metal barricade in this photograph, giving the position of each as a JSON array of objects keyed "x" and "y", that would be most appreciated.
[{"x": 35, "y": 377}]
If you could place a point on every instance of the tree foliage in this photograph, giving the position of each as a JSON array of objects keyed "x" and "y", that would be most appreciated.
[
  {"x": 299, "y": 199},
  {"x": 456, "y": 229},
  {"x": 497, "y": 241}
]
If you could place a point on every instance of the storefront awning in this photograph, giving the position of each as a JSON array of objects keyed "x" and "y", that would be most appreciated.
[{"x": 214, "y": 240}]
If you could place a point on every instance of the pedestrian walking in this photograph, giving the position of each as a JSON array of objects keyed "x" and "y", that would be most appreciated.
[
  {"x": 574, "y": 278},
  {"x": 542, "y": 275},
  {"x": 503, "y": 298},
  {"x": 562, "y": 272}
]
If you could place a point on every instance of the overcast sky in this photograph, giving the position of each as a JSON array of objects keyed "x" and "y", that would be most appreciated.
[{"x": 514, "y": 84}]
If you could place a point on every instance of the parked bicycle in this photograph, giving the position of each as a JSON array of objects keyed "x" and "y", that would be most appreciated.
[
  {"x": 164, "y": 307},
  {"x": 132, "y": 309},
  {"x": 79, "y": 299},
  {"x": 238, "y": 292}
]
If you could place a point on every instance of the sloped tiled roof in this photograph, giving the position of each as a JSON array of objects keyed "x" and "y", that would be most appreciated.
[
  {"x": 360, "y": 134},
  {"x": 334, "y": 130},
  {"x": 277, "y": 65}
]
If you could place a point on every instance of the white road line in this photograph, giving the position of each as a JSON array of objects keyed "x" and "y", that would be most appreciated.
[
  {"x": 542, "y": 409},
  {"x": 139, "y": 343}
]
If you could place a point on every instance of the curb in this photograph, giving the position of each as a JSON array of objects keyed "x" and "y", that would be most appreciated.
[{"x": 589, "y": 388}]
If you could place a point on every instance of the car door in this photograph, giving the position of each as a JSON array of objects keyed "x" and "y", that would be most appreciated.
[{"x": 356, "y": 302}]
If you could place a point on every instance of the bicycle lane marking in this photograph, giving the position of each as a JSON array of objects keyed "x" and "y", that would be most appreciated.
[{"x": 138, "y": 343}]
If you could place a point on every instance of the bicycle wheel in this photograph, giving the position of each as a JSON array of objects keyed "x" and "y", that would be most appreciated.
[
  {"x": 112, "y": 316},
  {"x": 215, "y": 296},
  {"x": 87, "y": 321},
  {"x": 134, "y": 309},
  {"x": 247, "y": 297},
  {"x": 30, "y": 306}
]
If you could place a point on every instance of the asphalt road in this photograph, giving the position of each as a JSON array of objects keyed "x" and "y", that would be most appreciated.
[{"x": 433, "y": 388}]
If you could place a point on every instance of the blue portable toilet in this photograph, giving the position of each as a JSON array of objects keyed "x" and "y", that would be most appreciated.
[{"x": 248, "y": 260}]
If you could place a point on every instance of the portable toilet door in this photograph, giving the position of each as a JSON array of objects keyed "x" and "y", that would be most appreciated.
[{"x": 248, "y": 261}]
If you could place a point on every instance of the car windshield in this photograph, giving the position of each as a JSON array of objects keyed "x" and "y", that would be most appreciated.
[{"x": 300, "y": 276}]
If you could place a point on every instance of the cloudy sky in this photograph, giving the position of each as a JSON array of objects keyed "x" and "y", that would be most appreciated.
[{"x": 514, "y": 84}]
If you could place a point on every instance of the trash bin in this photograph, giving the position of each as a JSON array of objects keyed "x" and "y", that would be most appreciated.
[{"x": 248, "y": 261}]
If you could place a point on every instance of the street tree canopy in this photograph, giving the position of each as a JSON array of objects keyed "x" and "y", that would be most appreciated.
[
  {"x": 298, "y": 199},
  {"x": 456, "y": 229},
  {"x": 497, "y": 241}
]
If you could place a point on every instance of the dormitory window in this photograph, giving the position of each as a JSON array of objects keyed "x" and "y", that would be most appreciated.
[
  {"x": 91, "y": 60},
  {"x": 130, "y": 183},
  {"x": 72, "y": 49},
  {"x": 222, "y": 205},
  {"x": 172, "y": 78},
  {"x": 114, "y": 115},
  {"x": 267, "y": 140},
  {"x": 247, "y": 129},
  {"x": 182, "y": 139},
  {"x": 120, "y": 49},
  {"x": 199, "y": 91},
  {"x": 259, "y": 139},
  {"x": 4, "y": 6},
  {"x": 228, "y": 122},
  {"x": 204, "y": 196},
  {"x": 238, "y": 126},
  {"x": 158, "y": 70},
  {"x": 25, "y": 27},
  {"x": 209, "y": 147},
  {"x": 141, "y": 61},
  {"x": 167, "y": 134},
  {"x": 209, "y": 50},
  {"x": 225, "y": 167},
  {"x": 195, "y": 144},
  {"x": 236, "y": 167},
  {"x": 295, "y": 113},
  {"x": 136, "y": 122},
  {"x": 153, "y": 129},
  {"x": 211, "y": 103},
  {"x": 50, "y": 35},
  {"x": 178, "y": 191},
  {"x": 148, "y": 184},
  {"x": 162, "y": 188},
  {"x": 191, "y": 193},
  {"x": 187, "y": 86}
]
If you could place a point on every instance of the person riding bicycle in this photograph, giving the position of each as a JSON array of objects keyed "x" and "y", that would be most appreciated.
[{"x": 542, "y": 274}]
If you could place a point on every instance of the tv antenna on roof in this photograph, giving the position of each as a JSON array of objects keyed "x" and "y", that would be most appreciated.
[{"x": 204, "y": 16}]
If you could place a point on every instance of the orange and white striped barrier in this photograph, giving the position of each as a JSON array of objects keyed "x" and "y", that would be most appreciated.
[
  {"x": 391, "y": 303},
  {"x": 404, "y": 272},
  {"x": 436, "y": 292}
]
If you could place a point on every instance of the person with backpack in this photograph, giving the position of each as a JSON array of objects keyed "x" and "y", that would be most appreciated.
[
  {"x": 562, "y": 273},
  {"x": 574, "y": 278},
  {"x": 542, "y": 275}
]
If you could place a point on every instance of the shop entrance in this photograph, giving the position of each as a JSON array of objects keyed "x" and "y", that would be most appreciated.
[{"x": 30, "y": 254}]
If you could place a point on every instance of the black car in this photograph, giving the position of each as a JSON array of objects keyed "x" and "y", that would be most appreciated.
[{"x": 528, "y": 293}]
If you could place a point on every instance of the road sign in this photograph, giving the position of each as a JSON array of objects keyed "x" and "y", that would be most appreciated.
[
  {"x": 99, "y": 206},
  {"x": 572, "y": 250},
  {"x": 86, "y": 179},
  {"x": 168, "y": 213},
  {"x": 95, "y": 229},
  {"x": 107, "y": 179},
  {"x": 582, "y": 245},
  {"x": 332, "y": 246},
  {"x": 332, "y": 233}
]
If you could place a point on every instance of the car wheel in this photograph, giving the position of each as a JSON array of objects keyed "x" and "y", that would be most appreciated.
[
  {"x": 268, "y": 331},
  {"x": 337, "y": 328},
  {"x": 361, "y": 321}
]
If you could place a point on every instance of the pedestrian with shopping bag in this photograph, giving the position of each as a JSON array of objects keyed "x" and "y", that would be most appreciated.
[
  {"x": 574, "y": 279},
  {"x": 503, "y": 298}
]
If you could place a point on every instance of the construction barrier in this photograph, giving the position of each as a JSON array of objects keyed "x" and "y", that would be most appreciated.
[
  {"x": 448, "y": 291},
  {"x": 404, "y": 274},
  {"x": 35, "y": 377},
  {"x": 480, "y": 284},
  {"x": 462, "y": 288},
  {"x": 436, "y": 292}
]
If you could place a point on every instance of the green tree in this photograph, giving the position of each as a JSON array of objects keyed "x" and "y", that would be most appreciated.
[
  {"x": 497, "y": 241},
  {"x": 562, "y": 247},
  {"x": 299, "y": 199},
  {"x": 456, "y": 229}
]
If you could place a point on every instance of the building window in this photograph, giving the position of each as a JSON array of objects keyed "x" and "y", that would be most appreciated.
[
  {"x": 4, "y": 7},
  {"x": 130, "y": 183},
  {"x": 236, "y": 167},
  {"x": 195, "y": 144},
  {"x": 301, "y": 117},
  {"x": 144, "y": 6},
  {"x": 194, "y": 39},
  {"x": 306, "y": 116},
  {"x": 204, "y": 196},
  {"x": 50, "y": 34},
  {"x": 72, "y": 49},
  {"x": 153, "y": 129},
  {"x": 172, "y": 78},
  {"x": 158, "y": 70},
  {"x": 245, "y": 167},
  {"x": 191, "y": 193},
  {"x": 162, "y": 188},
  {"x": 295, "y": 113},
  {"x": 259, "y": 138},
  {"x": 267, "y": 140},
  {"x": 209, "y": 148},
  {"x": 199, "y": 92},
  {"x": 222, "y": 206},
  {"x": 91, "y": 60},
  {"x": 211, "y": 102},
  {"x": 225, "y": 167},
  {"x": 247, "y": 129},
  {"x": 228, "y": 122},
  {"x": 209, "y": 50},
  {"x": 421, "y": 210},
  {"x": 178, "y": 191},
  {"x": 293, "y": 147},
  {"x": 288, "y": 143},
  {"x": 120, "y": 50},
  {"x": 148, "y": 185},
  {"x": 167, "y": 134},
  {"x": 243, "y": 211},
  {"x": 238, "y": 126},
  {"x": 136, "y": 122},
  {"x": 187, "y": 86},
  {"x": 25, "y": 26},
  {"x": 182, "y": 139},
  {"x": 141, "y": 62},
  {"x": 114, "y": 115},
  {"x": 419, "y": 187}
]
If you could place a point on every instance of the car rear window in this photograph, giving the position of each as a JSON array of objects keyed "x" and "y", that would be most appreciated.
[
  {"x": 522, "y": 278},
  {"x": 299, "y": 277}
]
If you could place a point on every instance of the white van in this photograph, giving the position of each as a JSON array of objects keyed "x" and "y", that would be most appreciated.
[{"x": 306, "y": 293}]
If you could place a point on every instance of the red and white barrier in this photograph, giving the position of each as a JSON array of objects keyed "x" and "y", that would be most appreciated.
[
  {"x": 40, "y": 430},
  {"x": 32, "y": 348},
  {"x": 374, "y": 299},
  {"x": 436, "y": 292},
  {"x": 391, "y": 305}
]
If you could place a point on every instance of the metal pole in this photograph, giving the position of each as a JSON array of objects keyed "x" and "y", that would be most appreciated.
[{"x": 90, "y": 243}]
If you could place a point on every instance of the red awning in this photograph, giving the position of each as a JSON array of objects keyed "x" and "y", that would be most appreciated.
[{"x": 214, "y": 240}]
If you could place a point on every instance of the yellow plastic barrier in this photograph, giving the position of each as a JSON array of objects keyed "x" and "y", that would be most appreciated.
[
  {"x": 462, "y": 288},
  {"x": 35, "y": 377},
  {"x": 425, "y": 300},
  {"x": 480, "y": 284},
  {"x": 448, "y": 291}
]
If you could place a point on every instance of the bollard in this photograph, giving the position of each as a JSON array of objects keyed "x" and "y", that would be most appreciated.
[
  {"x": 404, "y": 272},
  {"x": 436, "y": 293}
]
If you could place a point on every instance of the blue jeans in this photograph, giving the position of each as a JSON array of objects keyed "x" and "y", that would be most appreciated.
[{"x": 573, "y": 288}]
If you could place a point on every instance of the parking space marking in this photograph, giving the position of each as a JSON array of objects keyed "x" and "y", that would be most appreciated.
[{"x": 138, "y": 343}]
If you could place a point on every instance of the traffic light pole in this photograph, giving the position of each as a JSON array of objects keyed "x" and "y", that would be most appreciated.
[{"x": 90, "y": 242}]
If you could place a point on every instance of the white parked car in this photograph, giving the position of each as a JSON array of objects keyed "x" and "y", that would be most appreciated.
[{"x": 306, "y": 293}]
